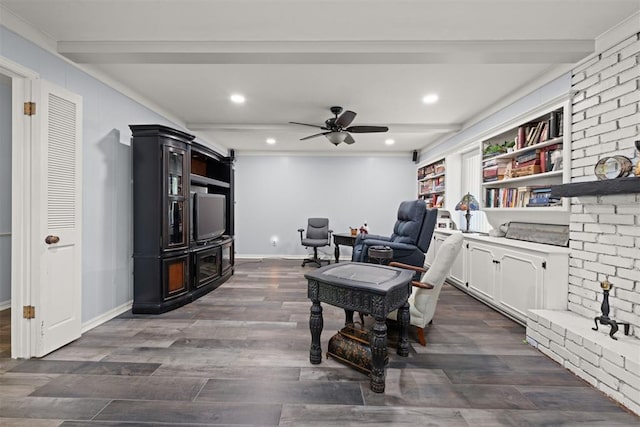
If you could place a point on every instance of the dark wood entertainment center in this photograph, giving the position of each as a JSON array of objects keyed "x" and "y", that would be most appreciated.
[{"x": 170, "y": 267}]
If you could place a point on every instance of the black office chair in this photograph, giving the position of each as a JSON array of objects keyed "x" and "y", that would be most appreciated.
[{"x": 318, "y": 235}]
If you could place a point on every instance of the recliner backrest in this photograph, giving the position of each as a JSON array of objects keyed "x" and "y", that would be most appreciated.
[
  {"x": 426, "y": 232},
  {"x": 318, "y": 228},
  {"x": 409, "y": 223}
]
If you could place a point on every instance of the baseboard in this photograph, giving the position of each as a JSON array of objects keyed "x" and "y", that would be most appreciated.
[
  {"x": 97, "y": 321},
  {"x": 4, "y": 305}
]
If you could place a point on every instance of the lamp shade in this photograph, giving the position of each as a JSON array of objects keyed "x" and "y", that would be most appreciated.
[
  {"x": 468, "y": 203},
  {"x": 336, "y": 137}
]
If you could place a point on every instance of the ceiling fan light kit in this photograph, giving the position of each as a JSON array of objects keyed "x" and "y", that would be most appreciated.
[{"x": 337, "y": 128}]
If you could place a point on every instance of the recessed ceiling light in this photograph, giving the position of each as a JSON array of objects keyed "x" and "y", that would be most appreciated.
[
  {"x": 389, "y": 141},
  {"x": 271, "y": 141},
  {"x": 237, "y": 98},
  {"x": 430, "y": 99}
]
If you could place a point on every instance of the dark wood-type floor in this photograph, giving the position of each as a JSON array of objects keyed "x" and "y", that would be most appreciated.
[{"x": 240, "y": 356}]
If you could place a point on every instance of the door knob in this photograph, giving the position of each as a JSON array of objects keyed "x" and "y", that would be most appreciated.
[{"x": 51, "y": 239}]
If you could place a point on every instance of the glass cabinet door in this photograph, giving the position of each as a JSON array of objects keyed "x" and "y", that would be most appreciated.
[{"x": 176, "y": 221}]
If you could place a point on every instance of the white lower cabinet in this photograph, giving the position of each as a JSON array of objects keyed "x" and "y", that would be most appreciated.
[{"x": 510, "y": 275}]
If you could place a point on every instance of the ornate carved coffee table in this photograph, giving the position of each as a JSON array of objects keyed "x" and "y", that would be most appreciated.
[{"x": 372, "y": 289}]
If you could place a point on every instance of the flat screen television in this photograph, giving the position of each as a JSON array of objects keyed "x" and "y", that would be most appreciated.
[{"x": 209, "y": 216}]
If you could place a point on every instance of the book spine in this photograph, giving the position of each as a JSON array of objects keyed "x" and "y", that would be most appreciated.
[{"x": 553, "y": 125}]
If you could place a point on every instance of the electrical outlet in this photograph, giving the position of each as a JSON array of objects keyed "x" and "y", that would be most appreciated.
[{"x": 274, "y": 241}]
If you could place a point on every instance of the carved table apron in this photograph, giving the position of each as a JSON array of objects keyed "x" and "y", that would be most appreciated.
[{"x": 372, "y": 289}]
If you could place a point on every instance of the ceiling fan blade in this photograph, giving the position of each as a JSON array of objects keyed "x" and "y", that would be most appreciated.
[
  {"x": 314, "y": 136},
  {"x": 367, "y": 129},
  {"x": 349, "y": 140},
  {"x": 307, "y": 124},
  {"x": 345, "y": 119}
]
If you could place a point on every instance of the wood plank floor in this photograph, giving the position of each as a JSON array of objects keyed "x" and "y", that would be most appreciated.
[{"x": 240, "y": 356}]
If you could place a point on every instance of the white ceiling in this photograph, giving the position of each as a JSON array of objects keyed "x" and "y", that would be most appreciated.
[{"x": 293, "y": 59}]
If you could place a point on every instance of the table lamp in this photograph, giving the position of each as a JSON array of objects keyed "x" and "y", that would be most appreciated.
[{"x": 468, "y": 203}]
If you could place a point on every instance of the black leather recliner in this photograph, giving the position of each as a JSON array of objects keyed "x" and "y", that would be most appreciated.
[{"x": 411, "y": 236}]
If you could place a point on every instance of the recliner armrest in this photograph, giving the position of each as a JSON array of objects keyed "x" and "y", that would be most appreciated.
[{"x": 407, "y": 266}]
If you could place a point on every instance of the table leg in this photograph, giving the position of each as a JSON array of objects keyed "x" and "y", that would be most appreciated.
[
  {"x": 378, "y": 355},
  {"x": 348, "y": 317},
  {"x": 315, "y": 324},
  {"x": 336, "y": 252},
  {"x": 404, "y": 322}
]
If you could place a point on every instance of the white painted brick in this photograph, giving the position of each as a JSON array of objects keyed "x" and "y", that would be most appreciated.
[
  {"x": 576, "y": 117},
  {"x": 583, "y": 255},
  {"x": 576, "y": 226},
  {"x": 599, "y": 374},
  {"x": 627, "y": 146},
  {"x": 579, "y": 96},
  {"x": 631, "y": 392},
  {"x": 584, "y": 237},
  {"x": 574, "y": 337},
  {"x": 559, "y": 329},
  {"x": 600, "y": 208},
  {"x": 581, "y": 69},
  {"x": 630, "y": 121},
  {"x": 575, "y": 281},
  {"x": 573, "y": 298},
  {"x": 619, "y": 199},
  {"x": 621, "y": 283},
  {"x": 629, "y": 98},
  {"x": 618, "y": 304},
  {"x": 592, "y": 346},
  {"x": 577, "y": 209},
  {"x": 553, "y": 336},
  {"x": 603, "y": 63},
  {"x": 613, "y": 357},
  {"x": 631, "y": 405},
  {"x": 620, "y": 373},
  {"x": 582, "y": 292},
  {"x": 614, "y": 394},
  {"x": 533, "y": 316},
  {"x": 542, "y": 341},
  {"x": 617, "y": 261},
  {"x": 585, "y": 274},
  {"x": 551, "y": 354},
  {"x": 577, "y": 263},
  {"x": 584, "y": 142},
  {"x": 626, "y": 295},
  {"x": 600, "y": 248},
  {"x": 581, "y": 374},
  {"x": 632, "y": 367},
  {"x": 544, "y": 323},
  {"x": 622, "y": 132},
  {"x": 629, "y": 252},
  {"x": 629, "y": 274},
  {"x": 619, "y": 113},
  {"x": 629, "y": 209},
  {"x": 602, "y": 107},
  {"x": 581, "y": 310},
  {"x": 618, "y": 91},
  {"x": 594, "y": 306},
  {"x": 594, "y": 120},
  {"x": 589, "y": 81},
  {"x": 617, "y": 219},
  {"x": 623, "y": 316},
  {"x": 632, "y": 49},
  {"x": 585, "y": 161},
  {"x": 613, "y": 71},
  {"x": 600, "y": 268},
  {"x": 564, "y": 354},
  {"x": 586, "y": 200},
  {"x": 633, "y": 73},
  {"x": 582, "y": 353},
  {"x": 614, "y": 239},
  {"x": 577, "y": 174},
  {"x": 601, "y": 129}
]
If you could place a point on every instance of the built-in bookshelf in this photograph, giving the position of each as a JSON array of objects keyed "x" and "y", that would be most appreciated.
[
  {"x": 520, "y": 165},
  {"x": 431, "y": 183}
]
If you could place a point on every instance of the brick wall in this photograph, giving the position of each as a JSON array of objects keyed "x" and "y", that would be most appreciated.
[{"x": 605, "y": 230}]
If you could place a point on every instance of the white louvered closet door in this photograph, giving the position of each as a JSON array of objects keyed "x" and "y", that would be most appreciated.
[{"x": 57, "y": 216}]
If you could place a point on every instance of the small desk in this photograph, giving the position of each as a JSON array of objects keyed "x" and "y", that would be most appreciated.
[
  {"x": 368, "y": 288},
  {"x": 344, "y": 239}
]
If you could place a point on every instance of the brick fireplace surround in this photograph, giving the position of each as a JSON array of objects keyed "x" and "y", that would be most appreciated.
[{"x": 604, "y": 232}]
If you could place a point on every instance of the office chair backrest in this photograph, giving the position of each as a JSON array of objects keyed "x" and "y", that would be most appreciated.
[{"x": 318, "y": 228}]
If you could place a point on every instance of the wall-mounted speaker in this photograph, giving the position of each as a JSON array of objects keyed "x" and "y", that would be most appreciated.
[
  {"x": 414, "y": 156},
  {"x": 232, "y": 154}
]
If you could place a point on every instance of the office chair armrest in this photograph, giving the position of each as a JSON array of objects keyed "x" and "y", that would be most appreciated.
[
  {"x": 421, "y": 285},
  {"x": 329, "y": 237},
  {"x": 407, "y": 266},
  {"x": 300, "y": 230}
]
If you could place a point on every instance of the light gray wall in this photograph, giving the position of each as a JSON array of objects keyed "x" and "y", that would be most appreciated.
[
  {"x": 276, "y": 194},
  {"x": 107, "y": 207},
  {"x": 5, "y": 191}
]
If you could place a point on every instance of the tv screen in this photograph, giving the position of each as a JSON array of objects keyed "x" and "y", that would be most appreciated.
[{"x": 209, "y": 214}]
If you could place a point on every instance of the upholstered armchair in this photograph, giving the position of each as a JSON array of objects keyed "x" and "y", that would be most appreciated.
[
  {"x": 411, "y": 235},
  {"x": 424, "y": 298},
  {"x": 318, "y": 234}
]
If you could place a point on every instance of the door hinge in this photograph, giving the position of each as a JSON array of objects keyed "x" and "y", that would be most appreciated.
[
  {"x": 28, "y": 312},
  {"x": 29, "y": 108}
]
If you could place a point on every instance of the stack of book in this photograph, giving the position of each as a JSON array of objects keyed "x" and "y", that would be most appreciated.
[
  {"x": 527, "y": 164},
  {"x": 541, "y": 196},
  {"x": 495, "y": 169},
  {"x": 546, "y": 158}
]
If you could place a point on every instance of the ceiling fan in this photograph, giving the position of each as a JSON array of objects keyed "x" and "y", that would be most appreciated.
[{"x": 337, "y": 128}]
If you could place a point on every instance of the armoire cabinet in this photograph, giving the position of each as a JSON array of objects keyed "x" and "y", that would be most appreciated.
[{"x": 171, "y": 268}]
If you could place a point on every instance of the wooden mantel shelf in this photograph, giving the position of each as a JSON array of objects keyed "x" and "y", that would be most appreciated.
[{"x": 597, "y": 188}]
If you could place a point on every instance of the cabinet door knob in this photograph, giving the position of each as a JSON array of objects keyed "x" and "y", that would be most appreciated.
[{"x": 49, "y": 240}]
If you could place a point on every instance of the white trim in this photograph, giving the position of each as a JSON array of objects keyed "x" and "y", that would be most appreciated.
[
  {"x": 5, "y": 304},
  {"x": 22, "y": 330},
  {"x": 618, "y": 33},
  {"x": 367, "y": 154},
  {"x": 105, "y": 317},
  {"x": 19, "y": 26}
]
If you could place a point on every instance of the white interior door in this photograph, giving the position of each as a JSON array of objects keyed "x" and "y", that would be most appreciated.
[{"x": 57, "y": 216}]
